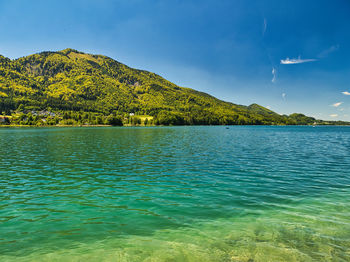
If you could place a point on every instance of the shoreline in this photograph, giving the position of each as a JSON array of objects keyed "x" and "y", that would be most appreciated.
[{"x": 26, "y": 126}]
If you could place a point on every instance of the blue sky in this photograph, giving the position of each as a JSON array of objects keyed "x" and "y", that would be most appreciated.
[{"x": 290, "y": 56}]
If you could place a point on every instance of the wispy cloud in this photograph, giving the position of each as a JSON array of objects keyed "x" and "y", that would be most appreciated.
[
  {"x": 298, "y": 60},
  {"x": 346, "y": 93},
  {"x": 274, "y": 75},
  {"x": 284, "y": 96},
  {"x": 326, "y": 52},
  {"x": 333, "y": 115},
  {"x": 288, "y": 61},
  {"x": 337, "y": 104},
  {"x": 264, "y": 26}
]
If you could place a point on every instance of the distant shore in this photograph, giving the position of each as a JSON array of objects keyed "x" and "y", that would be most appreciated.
[{"x": 52, "y": 126}]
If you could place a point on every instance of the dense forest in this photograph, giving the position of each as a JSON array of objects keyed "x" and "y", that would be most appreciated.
[{"x": 73, "y": 88}]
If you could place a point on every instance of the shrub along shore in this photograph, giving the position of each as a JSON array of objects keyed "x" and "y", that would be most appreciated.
[{"x": 71, "y": 118}]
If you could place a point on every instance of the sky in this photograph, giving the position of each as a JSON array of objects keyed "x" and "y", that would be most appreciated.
[{"x": 289, "y": 56}]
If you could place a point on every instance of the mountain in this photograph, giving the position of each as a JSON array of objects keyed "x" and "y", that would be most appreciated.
[{"x": 72, "y": 87}]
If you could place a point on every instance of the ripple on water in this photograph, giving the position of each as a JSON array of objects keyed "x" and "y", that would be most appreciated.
[{"x": 175, "y": 193}]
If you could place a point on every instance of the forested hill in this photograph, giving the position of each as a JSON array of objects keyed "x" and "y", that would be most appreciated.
[{"x": 71, "y": 87}]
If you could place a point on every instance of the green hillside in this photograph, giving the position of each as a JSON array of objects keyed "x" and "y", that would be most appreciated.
[{"x": 71, "y": 87}]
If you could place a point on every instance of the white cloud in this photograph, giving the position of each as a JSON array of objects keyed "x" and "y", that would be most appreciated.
[
  {"x": 265, "y": 26},
  {"x": 268, "y": 107},
  {"x": 274, "y": 75},
  {"x": 284, "y": 96},
  {"x": 337, "y": 104},
  {"x": 333, "y": 115},
  {"x": 346, "y": 93},
  {"x": 298, "y": 60},
  {"x": 288, "y": 61}
]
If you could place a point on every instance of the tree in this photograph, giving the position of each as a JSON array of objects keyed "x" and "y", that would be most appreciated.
[
  {"x": 20, "y": 108},
  {"x": 114, "y": 120}
]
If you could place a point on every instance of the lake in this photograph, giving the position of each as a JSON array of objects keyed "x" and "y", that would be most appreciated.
[{"x": 246, "y": 193}]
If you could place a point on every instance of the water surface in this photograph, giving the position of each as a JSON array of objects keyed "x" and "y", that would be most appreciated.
[{"x": 175, "y": 194}]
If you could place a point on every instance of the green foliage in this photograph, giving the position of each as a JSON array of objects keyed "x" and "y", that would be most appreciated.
[
  {"x": 302, "y": 119},
  {"x": 73, "y": 88},
  {"x": 114, "y": 121}
]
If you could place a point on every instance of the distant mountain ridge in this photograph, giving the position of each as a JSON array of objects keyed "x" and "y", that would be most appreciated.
[{"x": 73, "y": 81}]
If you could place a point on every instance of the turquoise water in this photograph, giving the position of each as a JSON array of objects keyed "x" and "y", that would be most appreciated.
[{"x": 175, "y": 194}]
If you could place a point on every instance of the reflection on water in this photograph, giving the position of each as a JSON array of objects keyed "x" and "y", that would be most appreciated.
[{"x": 175, "y": 194}]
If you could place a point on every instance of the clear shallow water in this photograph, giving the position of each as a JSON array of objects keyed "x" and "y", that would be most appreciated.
[{"x": 175, "y": 194}]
